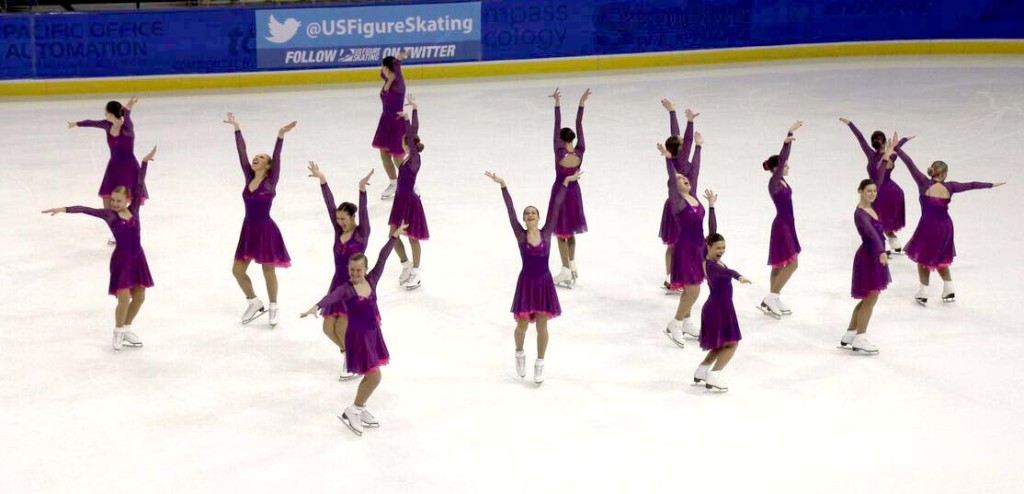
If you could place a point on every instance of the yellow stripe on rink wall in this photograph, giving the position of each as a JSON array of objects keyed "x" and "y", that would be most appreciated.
[{"x": 506, "y": 68}]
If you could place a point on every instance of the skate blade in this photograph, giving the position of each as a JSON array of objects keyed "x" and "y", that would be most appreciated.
[
  {"x": 254, "y": 316},
  {"x": 567, "y": 286},
  {"x": 678, "y": 343},
  {"x": 948, "y": 300},
  {"x": 787, "y": 313},
  {"x": 412, "y": 287},
  {"x": 921, "y": 302},
  {"x": 768, "y": 312},
  {"x": 132, "y": 345},
  {"x": 347, "y": 377},
  {"x": 855, "y": 351},
  {"x": 344, "y": 419},
  {"x": 714, "y": 389},
  {"x": 372, "y": 426}
]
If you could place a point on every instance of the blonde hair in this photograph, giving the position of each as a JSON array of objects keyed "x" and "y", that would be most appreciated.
[
  {"x": 121, "y": 189},
  {"x": 941, "y": 169}
]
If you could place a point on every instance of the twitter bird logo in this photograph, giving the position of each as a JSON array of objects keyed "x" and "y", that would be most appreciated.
[{"x": 282, "y": 32}]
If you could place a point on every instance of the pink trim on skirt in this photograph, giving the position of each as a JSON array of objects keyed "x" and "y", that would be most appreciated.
[
  {"x": 936, "y": 268},
  {"x": 786, "y": 262},
  {"x": 394, "y": 155},
  {"x": 380, "y": 363},
  {"x": 136, "y": 285},
  {"x": 276, "y": 264},
  {"x": 565, "y": 237},
  {"x": 868, "y": 295},
  {"x": 724, "y": 343},
  {"x": 532, "y": 314},
  {"x": 337, "y": 314},
  {"x": 678, "y": 287}
]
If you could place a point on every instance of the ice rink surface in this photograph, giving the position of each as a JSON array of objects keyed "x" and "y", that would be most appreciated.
[{"x": 209, "y": 405}]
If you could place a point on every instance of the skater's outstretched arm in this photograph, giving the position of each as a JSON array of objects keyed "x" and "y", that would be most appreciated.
[
  {"x": 275, "y": 160},
  {"x": 956, "y": 187},
  {"x": 581, "y": 146},
  {"x": 243, "y": 156},
  {"x": 517, "y": 228},
  {"x": 712, "y": 198},
  {"x": 99, "y": 124},
  {"x": 921, "y": 179},
  {"x": 868, "y": 151},
  {"x": 325, "y": 190},
  {"x": 787, "y": 146},
  {"x": 140, "y": 184}
]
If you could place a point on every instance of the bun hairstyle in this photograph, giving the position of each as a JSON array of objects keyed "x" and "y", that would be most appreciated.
[
  {"x": 415, "y": 142},
  {"x": 864, "y": 184},
  {"x": 672, "y": 145},
  {"x": 771, "y": 163},
  {"x": 940, "y": 167},
  {"x": 389, "y": 62},
  {"x": 349, "y": 208},
  {"x": 878, "y": 140},
  {"x": 567, "y": 134},
  {"x": 714, "y": 238},
  {"x": 114, "y": 108}
]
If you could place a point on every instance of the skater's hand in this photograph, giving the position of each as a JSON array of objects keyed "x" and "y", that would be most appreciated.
[
  {"x": 287, "y": 128},
  {"x": 711, "y": 197},
  {"x": 494, "y": 176},
  {"x": 402, "y": 115},
  {"x": 586, "y": 94},
  {"x": 365, "y": 181},
  {"x": 796, "y": 125},
  {"x": 313, "y": 311},
  {"x": 557, "y": 95},
  {"x": 789, "y": 139},
  {"x": 668, "y": 105},
  {"x": 54, "y": 211},
  {"x": 699, "y": 139},
  {"x": 690, "y": 115},
  {"x": 411, "y": 101},
  {"x": 998, "y": 184},
  {"x": 400, "y": 230},
  {"x": 844, "y": 120},
  {"x": 72, "y": 125},
  {"x": 884, "y": 259},
  {"x": 572, "y": 178},
  {"x": 744, "y": 280},
  {"x": 149, "y": 157},
  {"x": 314, "y": 171},
  {"x": 404, "y": 55},
  {"x": 664, "y": 152},
  {"x": 131, "y": 103},
  {"x": 231, "y": 120}
]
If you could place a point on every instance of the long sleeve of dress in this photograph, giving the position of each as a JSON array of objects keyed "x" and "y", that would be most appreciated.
[
  {"x": 684, "y": 153},
  {"x": 331, "y": 207},
  {"x": 399, "y": 84},
  {"x": 674, "y": 197},
  {"x": 868, "y": 234},
  {"x": 921, "y": 179},
  {"x": 955, "y": 187},
  {"x": 128, "y": 128},
  {"x": 99, "y": 124},
  {"x": 717, "y": 271},
  {"x": 364, "y": 217},
  {"x": 860, "y": 139},
  {"x": 673, "y": 123},
  {"x": 412, "y": 129},
  {"x": 140, "y": 185},
  {"x": 694, "y": 169},
  {"x": 712, "y": 221},
  {"x": 102, "y": 214},
  {"x": 275, "y": 162},
  {"x": 557, "y": 142},
  {"x": 243, "y": 156},
  {"x": 556, "y": 208},
  {"x": 580, "y": 144},
  {"x": 378, "y": 269},
  {"x": 517, "y": 229}
]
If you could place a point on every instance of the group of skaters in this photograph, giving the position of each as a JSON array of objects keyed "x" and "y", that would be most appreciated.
[{"x": 351, "y": 317}]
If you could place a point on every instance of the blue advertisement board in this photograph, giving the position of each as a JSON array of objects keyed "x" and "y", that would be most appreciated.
[{"x": 359, "y": 36}]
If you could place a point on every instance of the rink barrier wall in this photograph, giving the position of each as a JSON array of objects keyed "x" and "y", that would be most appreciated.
[{"x": 510, "y": 68}]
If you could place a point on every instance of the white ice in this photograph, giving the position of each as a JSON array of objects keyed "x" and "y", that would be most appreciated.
[{"x": 209, "y": 405}]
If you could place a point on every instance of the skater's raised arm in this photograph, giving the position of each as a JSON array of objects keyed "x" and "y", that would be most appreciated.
[
  {"x": 685, "y": 151},
  {"x": 673, "y": 121},
  {"x": 127, "y": 128},
  {"x": 580, "y": 144},
  {"x": 557, "y": 141},
  {"x": 868, "y": 151},
  {"x": 517, "y": 228},
  {"x": 363, "y": 228},
  {"x": 140, "y": 185},
  {"x": 243, "y": 155},
  {"x": 921, "y": 179},
  {"x": 787, "y": 145},
  {"x": 674, "y": 197},
  {"x": 712, "y": 198},
  {"x": 694, "y": 174},
  {"x": 385, "y": 252},
  {"x": 275, "y": 160}
]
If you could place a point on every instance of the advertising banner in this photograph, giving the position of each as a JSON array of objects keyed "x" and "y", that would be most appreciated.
[{"x": 363, "y": 36}]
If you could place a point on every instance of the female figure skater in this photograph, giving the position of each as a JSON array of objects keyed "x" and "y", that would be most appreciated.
[
  {"x": 890, "y": 204},
  {"x": 408, "y": 208},
  {"x": 123, "y": 167},
  {"x": 536, "y": 299},
  {"x": 931, "y": 245},
  {"x": 349, "y": 239},
  {"x": 688, "y": 253},
  {"x": 870, "y": 263},
  {"x": 260, "y": 239},
  {"x": 784, "y": 246},
  {"x": 684, "y": 166},
  {"x": 571, "y": 219},
  {"x": 719, "y": 328},
  {"x": 129, "y": 272},
  {"x": 365, "y": 349},
  {"x": 390, "y": 127}
]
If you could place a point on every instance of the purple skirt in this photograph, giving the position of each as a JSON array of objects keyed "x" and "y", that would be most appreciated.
[
  {"x": 408, "y": 208},
  {"x": 784, "y": 246},
  {"x": 718, "y": 324},
  {"x": 869, "y": 274},
  {"x": 687, "y": 265},
  {"x": 890, "y": 207},
  {"x": 571, "y": 219},
  {"x": 365, "y": 350},
  {"x": 390, "y": 132},
  {"x": 129, "y": 270},
  {"x": 931, "y": 245},
  {"x": 118, "y": 174},
  {"x": 535, "y": 295},
  {"x": 669, "y": 230},
  {"x": 261, "y": 241}
]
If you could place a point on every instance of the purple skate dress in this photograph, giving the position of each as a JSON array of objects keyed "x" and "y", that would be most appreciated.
[
  {"x": 391, "y": 128},
  {"x": 890, "y": 204},
  {"x": 123, "y": 167},
  {"x": 784, "y": 245},
  {"x": 571, "y": 219},
  {"x": 407, "y": 206},
  {"x": 356, "y": 244},
  {"x": 260, "y": 239},
  {"x": 535, "y": 290},
  {"x": 668, "y": 231}
]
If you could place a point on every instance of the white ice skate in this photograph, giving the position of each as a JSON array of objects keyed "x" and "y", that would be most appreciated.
[
  {"x": 922, "y": 296},
  {"x": 521, "y": 364},
  {"x": 783, "y": 308},
  {"x": 118, "y": 339},
  {"x": 389, "y": 193},
  {"x": 368, "y": 419},
  {"x": 690, "y": 329},
  {"x": 538, "y": 371},
  {"x": 715, "y": 382},
  {"x": 564, "y": 278},
  {"x": 254, "y": 310},
  {"x": 351, "y": 418},
  {"x": 770, "y": 306},
  {"x": 273, "y": 314},
  {"x": 347, "y": 376},
  {"x": 131, "y": 339},
  {"x": 674, "y": 332},
  {"x": 575, "y": 273},
  {"x": 414, "y": 279},
  {"x": 406, "y": 273},
  {"x": 895, "y": 245},
  {"x": 701, "y": 374},
  {"x": 861, "y": 344},
  {"x": 948, "y": 295},
  {"x": 848, "y": 338}
]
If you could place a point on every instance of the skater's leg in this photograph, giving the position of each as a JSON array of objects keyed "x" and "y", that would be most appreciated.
[
  {"x": 924, "y": 274},
  {"x": 138, "y": 297},
  {"x": 121, "y": 311},
  {"x": 542, "y": 335},
  {"x": 773, "y": 279},
  {"x": 686, "y": 301},
  {"x": 867, "y": 306},
  {"x": 710, "y": 358},
  {"x": 340, "y": 330},
  {"x": 520, "y": 334},
  {"x": 724, "y": 356},
  {"x": 238, "y": 270},
  {"x": 415, "y": 244},
  {"x": 571, "y": 243},
  {"x": 668, "y": 260},
  {"x": 389, "y": 165},
  {"x": 399, "y": 247},
  {"x": 366, "y": 387},
  {"x": 785, "y": 273},
  {"x": 563, "y": 252},
  {"x": 270, "y": 275},
  {"x": 944, "y": 274},
  {"x": 329, "y": 331},
  {"x": 853, "y": 317}
]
